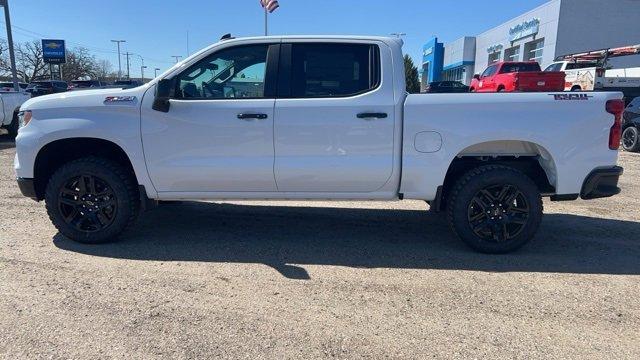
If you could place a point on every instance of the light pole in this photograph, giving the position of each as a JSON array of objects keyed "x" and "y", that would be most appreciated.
[
  {"x": 142, "y": 72},
  {"x": 119, "y": 61},
  {"x": 177, "y": 57},
  {"x": 142, "y": 67},
  {"x": 399, "y": 35},
  {"x": 155, "y": 72},
  {"x": 12, "y": 55}
]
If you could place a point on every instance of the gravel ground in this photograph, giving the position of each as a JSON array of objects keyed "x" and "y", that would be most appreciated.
[{"x": 273, "y": 280}]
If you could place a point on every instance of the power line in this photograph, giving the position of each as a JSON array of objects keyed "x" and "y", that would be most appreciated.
[{"x": 39, "y": 36}]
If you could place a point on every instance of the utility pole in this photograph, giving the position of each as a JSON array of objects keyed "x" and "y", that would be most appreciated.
[
  {"x": 12, "y": 55},
  {"x": 177, "y": 57},
  {"x": 155, "y": 72},
  {"x": 119, "y": 61},
  {"x": 127, "y": 54}
]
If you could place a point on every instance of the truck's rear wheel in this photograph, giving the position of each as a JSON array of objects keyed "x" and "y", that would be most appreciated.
[
  {"x": 92, "y": 200},
  {"x": 631, "y": 139},
  {"x": 495, "y": 209}
]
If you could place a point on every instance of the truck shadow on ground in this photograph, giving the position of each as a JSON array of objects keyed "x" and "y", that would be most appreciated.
[{"x": 287, "y": 238}]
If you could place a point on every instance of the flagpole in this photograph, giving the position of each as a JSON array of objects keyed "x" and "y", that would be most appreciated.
[{"x": 266, "y": 21}]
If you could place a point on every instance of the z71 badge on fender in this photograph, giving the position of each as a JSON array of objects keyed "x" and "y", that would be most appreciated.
[{"x": 571, "y": 96}]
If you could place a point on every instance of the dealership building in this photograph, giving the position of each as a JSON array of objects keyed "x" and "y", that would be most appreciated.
[{"x": 555, "y": 28}]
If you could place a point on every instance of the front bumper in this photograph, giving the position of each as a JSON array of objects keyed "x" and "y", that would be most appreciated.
[
  {"x": 28, "y": 188},
  {"x": 602, "y": 183}
]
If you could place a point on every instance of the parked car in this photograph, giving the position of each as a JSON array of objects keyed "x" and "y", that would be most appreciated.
[
  {"x": 8, "y": 86},
  {"x": 85, "y": 84},
  {"x": 510, "y": 76},
  {"x": 10, "y": 102},
  {"x": 631, "y": 126},
  {"x": 126, "y": 84},
  {"x": 335, "y": 122},
  {"x": 46, "y": 87},
  {"x": 447, "y": 87}
]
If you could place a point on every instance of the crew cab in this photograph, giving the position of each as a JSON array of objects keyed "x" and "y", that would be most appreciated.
[
  {"x": 510, "y": 76},
  {"x": 10, "y": 102},
  {"x": 304, "y": 117}
]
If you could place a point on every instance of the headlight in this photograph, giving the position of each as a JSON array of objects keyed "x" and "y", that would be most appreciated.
[{"x": 24, "y": 117}]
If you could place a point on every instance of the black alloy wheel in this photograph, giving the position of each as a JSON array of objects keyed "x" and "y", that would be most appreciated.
[
  {"x": 87, "y": 203},
  {"x": 498, "y": 213}
]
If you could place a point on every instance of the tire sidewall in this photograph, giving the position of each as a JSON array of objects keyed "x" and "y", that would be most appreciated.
[
  {"x": 636, "y": 145},
  {"x": 459, "y": 210},
  {"x": 89, "y": 167}
]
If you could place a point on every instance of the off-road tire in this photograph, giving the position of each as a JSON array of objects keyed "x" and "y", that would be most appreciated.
[
  {"x": 462, "y": 201},
  {"x": 125, "y": 197}
]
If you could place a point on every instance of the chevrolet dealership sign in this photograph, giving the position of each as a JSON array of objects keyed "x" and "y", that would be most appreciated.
[
  {"x": 53, "y": 51},
  {"x": 525, "y": 29}
]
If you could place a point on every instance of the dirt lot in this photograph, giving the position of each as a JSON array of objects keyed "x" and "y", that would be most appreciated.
[{"x": 275, "y": 280}]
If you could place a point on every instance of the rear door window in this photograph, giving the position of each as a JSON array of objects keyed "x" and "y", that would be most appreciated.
[{"x": 333, "y": 70}]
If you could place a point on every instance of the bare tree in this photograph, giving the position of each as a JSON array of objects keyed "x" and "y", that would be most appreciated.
[
  {"x": 80, "y": 65},
  {"x": 104, "y": 69},
  {"x": 29, "y": 61}
]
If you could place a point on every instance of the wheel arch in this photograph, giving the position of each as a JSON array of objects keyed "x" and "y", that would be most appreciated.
[
  {"x": 532, "y": 159},
  {"x": 59, "y": 152}
]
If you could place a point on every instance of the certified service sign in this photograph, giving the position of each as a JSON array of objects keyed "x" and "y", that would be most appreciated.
[{"x": 53, "y": 51}]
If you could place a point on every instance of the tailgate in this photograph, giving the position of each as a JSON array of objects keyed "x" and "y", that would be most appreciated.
[{"x": 541, "y": 81}]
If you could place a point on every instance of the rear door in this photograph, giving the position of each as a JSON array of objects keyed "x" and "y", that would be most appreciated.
[{"x": 334, "y": 117}]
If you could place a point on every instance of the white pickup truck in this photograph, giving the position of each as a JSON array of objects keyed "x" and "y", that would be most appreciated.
[
  {"x": 10, "y": 102},
  {"x": 314, "y": 118}
]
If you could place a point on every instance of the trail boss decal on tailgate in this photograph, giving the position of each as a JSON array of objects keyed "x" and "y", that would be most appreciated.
[{"x": 571, "y": 96}]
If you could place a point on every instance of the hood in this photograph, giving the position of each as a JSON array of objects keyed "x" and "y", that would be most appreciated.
[{"x": 83, "y": 98}]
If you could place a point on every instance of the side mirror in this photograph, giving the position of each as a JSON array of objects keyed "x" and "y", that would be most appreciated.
[
  {"x": 476, "y": 76},
  {"x": 164, "y": 90}
]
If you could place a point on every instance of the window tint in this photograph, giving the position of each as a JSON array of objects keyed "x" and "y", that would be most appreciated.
[
  {"x": 333, "y": 70},
  {"x": 491, "y": 70},
  {"x": 512, "y": 68},
  {"x": 573, "y": 66},
  {"x": 237, "y": 72}
]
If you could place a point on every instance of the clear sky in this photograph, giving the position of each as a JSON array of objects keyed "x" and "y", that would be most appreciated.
[{"x": 158, "y": 29}]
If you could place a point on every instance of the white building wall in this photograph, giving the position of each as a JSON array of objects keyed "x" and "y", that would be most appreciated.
[
  {"x": 598, "y": 24},
  {"x": 548, "y": 14}
]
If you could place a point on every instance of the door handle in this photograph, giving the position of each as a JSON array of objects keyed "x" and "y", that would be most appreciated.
[
  {"x": 372, "y": 116},
  {"x": 252, "y": 116}
]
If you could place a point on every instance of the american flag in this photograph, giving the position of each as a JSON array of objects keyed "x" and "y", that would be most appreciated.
[{"x": 270, "y": 5}]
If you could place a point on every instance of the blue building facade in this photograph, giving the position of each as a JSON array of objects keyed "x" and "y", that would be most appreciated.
[{"x": 432, "y": 62}]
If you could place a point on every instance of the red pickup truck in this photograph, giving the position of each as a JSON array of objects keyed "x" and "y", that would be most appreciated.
[{"x": 517, "y": 76}]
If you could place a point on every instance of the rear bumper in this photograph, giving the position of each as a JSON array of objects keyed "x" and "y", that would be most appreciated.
[
  {"x": 28, "y": 188},
  {"x": 602, "y": 183}
]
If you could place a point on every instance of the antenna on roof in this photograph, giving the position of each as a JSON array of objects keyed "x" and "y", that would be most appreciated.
[{"x": 226, "y": 37}]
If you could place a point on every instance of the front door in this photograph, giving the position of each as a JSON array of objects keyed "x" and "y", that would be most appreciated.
[
  {"x": 218, "y": 133},
  {"x": 335, "y": 116}
]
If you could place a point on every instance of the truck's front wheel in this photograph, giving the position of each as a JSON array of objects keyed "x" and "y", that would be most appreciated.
[
  {"x": 495, "y": 209},
  {"x": 92, "y": 200}
]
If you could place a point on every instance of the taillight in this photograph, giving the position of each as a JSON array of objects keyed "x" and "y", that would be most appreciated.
[
  {"x": 600, "y": 72},
  {"x": 615, "y": 107}
]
